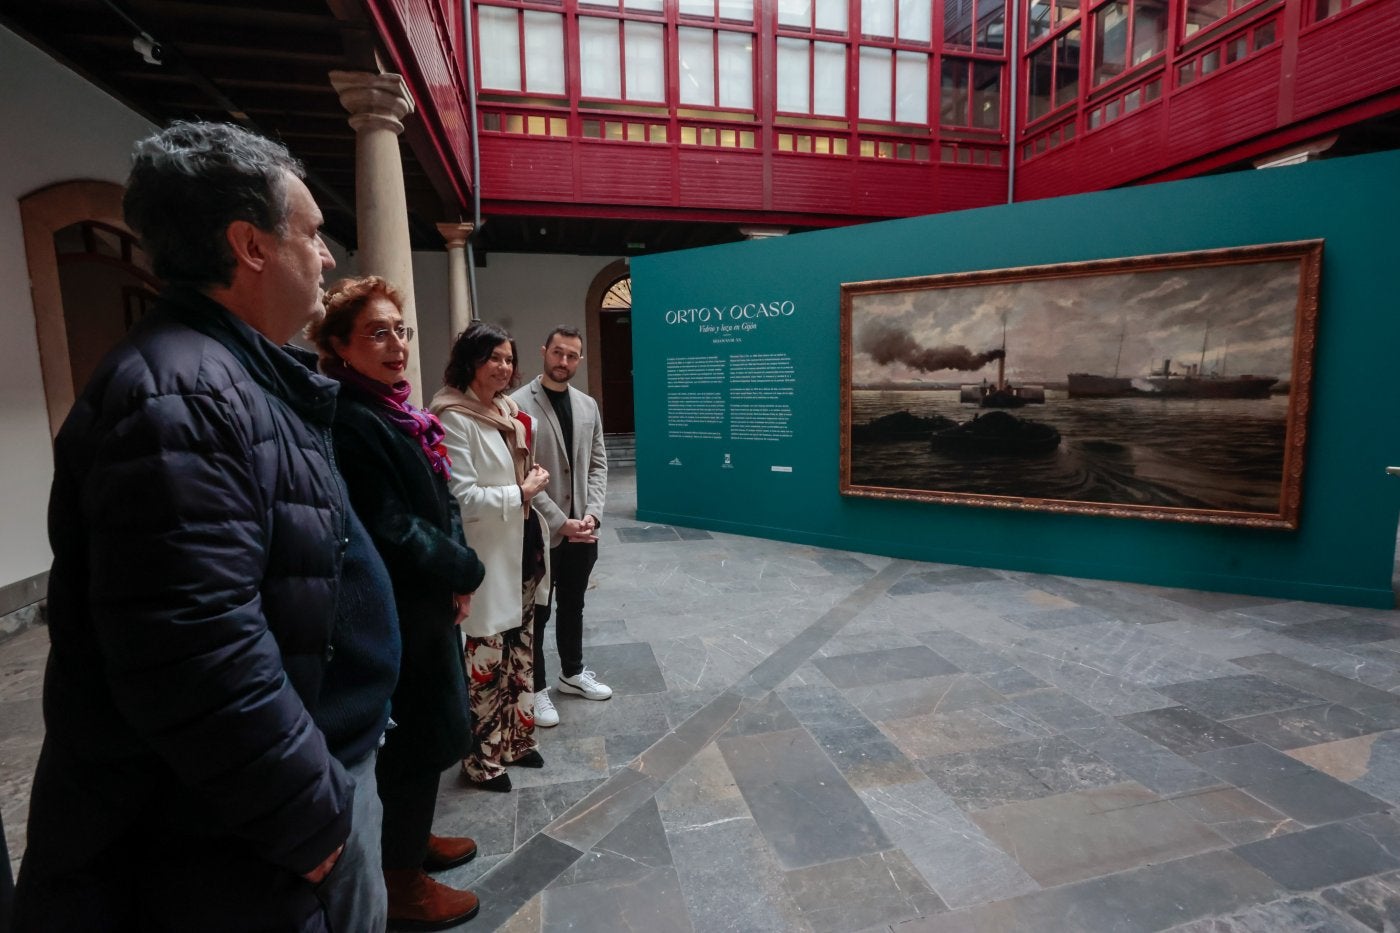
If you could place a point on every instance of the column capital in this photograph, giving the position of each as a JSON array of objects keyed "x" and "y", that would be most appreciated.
[
  {"x": 373, "y": 100},
  {"x": 456, "y": 234}
]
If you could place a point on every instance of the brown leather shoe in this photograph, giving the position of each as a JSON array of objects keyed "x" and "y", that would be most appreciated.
[
  {"x": 417, "y": 902},
  {"x": 446, "y": 852}
]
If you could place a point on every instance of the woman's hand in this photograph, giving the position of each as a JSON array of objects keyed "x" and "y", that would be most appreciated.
[
  {"x": 535, "y": 480},
  {"x": 463, "y": 602}
]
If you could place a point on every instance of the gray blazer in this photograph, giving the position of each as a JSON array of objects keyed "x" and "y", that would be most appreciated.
[{"x": 588, "y": 484}]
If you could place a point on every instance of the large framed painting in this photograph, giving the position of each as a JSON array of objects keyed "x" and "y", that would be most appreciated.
[{"x": 1171, "y": 387}]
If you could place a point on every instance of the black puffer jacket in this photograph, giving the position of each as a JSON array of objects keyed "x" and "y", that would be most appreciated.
[{"x": 197, "y": 529}]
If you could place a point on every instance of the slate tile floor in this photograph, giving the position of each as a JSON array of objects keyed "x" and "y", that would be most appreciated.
[{"x": 809, "y": 740}]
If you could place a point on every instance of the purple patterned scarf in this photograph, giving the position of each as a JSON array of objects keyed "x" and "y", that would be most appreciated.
[{"x": 392, "y": 402}]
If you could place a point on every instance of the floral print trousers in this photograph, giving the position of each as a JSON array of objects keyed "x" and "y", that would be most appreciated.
[{"x": 501, "y": 672}]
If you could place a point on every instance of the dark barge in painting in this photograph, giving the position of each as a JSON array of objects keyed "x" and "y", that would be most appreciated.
[
  {"x": 996, "y": 434},
  {"x": 902, "y": 425}
]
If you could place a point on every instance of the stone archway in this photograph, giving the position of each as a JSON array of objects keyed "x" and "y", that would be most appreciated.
[
  {"x": 607, "y": 314},
  {"x": 43, "y": 214}
]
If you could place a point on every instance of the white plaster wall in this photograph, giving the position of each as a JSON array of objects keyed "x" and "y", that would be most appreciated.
[
  {"x": 528, "y": 294},
  {"x": 57, "y": 127},
  {"x": 430, "y": 297}
]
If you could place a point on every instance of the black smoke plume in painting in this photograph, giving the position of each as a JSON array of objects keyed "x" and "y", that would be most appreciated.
[{"x": 887, "y": 344}]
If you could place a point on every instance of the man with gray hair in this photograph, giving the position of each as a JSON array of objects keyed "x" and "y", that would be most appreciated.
[{"x": 200, "y": 532}]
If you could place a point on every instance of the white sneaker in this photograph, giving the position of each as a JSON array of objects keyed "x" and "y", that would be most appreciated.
[
  {"x": 584, "y": 684},
  {"x": 545, "y": 713}
]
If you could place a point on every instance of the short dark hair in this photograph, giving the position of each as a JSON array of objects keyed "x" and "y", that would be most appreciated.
[
  {"x": 189, "y": 182},
  {"x": 473, "y": 348},
  {"x": 563, "y": 330},
  {"x": 344, "y": 302}
]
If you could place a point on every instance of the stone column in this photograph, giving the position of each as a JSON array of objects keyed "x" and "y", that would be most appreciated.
[
  {"x": 377, "y": 104},
  {"x": 460, "y": 310}
]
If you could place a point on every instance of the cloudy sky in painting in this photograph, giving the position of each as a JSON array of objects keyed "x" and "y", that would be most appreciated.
[{"x": 1058, "y": 326}]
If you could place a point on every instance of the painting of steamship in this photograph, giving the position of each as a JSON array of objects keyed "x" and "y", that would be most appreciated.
[{"x": 1169, "y": 387}]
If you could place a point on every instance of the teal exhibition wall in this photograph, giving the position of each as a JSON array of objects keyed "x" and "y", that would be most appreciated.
[{"x": 775, "y": 473}]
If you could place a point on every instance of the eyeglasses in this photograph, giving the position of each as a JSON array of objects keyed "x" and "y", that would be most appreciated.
[{"x": 381, "y": 336}]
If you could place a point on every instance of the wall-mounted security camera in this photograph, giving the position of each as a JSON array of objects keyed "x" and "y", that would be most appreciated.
[{"x": 149, "y": 49}]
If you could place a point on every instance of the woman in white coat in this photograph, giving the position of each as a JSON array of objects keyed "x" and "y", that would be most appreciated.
[{"x": 493, "y": 479}]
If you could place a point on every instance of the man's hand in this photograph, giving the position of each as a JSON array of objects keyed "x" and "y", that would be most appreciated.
[
  {"x": 578, "y": 530},
  {"x": 319, "y": 873}
]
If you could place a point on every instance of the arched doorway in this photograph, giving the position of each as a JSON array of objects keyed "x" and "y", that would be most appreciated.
[
  {"x": 88, "y": 278},
  {"x": 609, "y": 317}
]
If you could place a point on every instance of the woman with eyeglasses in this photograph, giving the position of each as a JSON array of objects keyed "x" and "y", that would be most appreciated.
[
  {"x": 494, "y": 479},
  {"x": 396, "y": 468}
]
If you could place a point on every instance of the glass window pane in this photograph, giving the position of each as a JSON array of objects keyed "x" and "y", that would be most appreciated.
[
  {"x": 1236, "y": 49},
  {"x": 1037, "y": 20},
  {"x": 705, "y": 8},
  {"x": 1264, "y": 35},
  {"x": 1149, "y": 29},
  {"x": 500, "y": 48},
  {"x": 952, "y": 93},
  {"x": 986, "y": 95},
  {"x": 794, "y": 78},
  {"x": 643, "y": 6},
  {"x": 957, "y": 24},
  {"x": 1067, "y": 67},
  {"x": 831, "y": 15},
  {"x": 877, "y": 18},
  {"x": 697, "y": 73},
  {"x": 646, "y": 69},
  {"x": 991, "y": 25},
  {"x": 829, "y": 79},
  {"x": 1210, "y": 61},
  {"x": 1201, "y": 13},
  {"x": 875, "y": 83},
  {"x": 1066, "y": 10},
  {"x": 1040, "y": 82},
  {"x": 736, "y": 11},
  {"x": 736, "y": 70},
  {"x": 599, "y": 57},
  {"x": 915, "y": 20},
  {"x": 544, "y": 52},
  {"x": 1110, "y": 41},
  {"x": 911, "y": 88},
  {"x": 795, "y": 13}
]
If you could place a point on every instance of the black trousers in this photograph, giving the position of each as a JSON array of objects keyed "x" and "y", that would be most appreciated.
[
  {"x": 409, "y": 801},
  {"x": 569, "y": 567}
]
